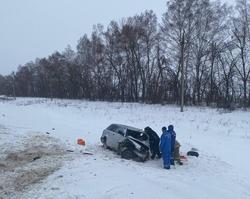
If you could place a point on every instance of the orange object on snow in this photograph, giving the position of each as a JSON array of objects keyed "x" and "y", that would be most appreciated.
[
  {"x": 81, "y": 142},
  {"x": 183, "y": 157}
]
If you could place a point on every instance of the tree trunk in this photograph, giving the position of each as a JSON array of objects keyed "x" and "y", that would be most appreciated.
[{"x": 182, "y": 72}]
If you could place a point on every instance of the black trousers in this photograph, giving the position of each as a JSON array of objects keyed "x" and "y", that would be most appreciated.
[{"x": 155, "y": 150}]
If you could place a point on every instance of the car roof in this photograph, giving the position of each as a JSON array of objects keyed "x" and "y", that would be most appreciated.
[{"x": 129, "y": 127}]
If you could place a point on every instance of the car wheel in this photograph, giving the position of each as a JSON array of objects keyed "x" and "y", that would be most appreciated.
[
  {"x": 120, "y": 148},
  {"x": 127, "y": 154},
  {"x": 143, "y": 158},
  {"x": 104, "y": 142}
]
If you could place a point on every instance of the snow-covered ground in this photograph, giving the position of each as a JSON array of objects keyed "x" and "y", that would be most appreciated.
[{"x": 221, "y": 171}]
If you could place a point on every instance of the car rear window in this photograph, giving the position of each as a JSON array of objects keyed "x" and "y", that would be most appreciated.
[
  {"x": 112, "y": 127},
  {"x": 137, "y": 134}
]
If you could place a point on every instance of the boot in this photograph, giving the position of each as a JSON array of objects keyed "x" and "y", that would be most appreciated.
[
  {"x": 172, "y": 162},
  {"x": 180, "y": 162}
]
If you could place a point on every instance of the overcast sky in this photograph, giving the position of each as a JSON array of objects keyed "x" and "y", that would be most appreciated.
[{"x": 32, "y": 29}]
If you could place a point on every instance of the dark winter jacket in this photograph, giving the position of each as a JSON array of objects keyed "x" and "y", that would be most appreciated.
[
  {"x": 154, "y": 139},
  {"x": 173, "y": 136}
]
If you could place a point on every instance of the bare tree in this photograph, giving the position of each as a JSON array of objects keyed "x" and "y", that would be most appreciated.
[
  {"x": 194, "y": 56},
  {"x": 241, "y": 38},
  {"x": 177, "y": 26}
]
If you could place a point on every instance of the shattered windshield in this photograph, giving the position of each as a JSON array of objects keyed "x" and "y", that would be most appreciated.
[{"x": 137, "y": 135}]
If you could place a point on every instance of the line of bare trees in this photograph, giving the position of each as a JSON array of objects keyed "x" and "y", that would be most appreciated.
[{"x": 200, "y": 49}]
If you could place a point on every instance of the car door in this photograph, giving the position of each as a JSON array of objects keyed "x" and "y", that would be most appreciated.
[
  {"x": 118, "y": 136},
  {"x": 109, "y": 133}
]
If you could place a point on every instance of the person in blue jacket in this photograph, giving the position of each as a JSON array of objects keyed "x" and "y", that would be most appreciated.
[
  {"x": 165, "y": 147},
  {"x": 173, "y": 138}
]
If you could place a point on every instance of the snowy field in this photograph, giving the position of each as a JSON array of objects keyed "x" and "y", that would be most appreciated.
[{"x": 36, "y": 134}]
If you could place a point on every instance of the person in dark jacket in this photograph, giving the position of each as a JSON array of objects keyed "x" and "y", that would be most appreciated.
[
  {"x": 154, "y": 141},
  {"x": 165, "y": 147},
  {"x": 173, "y": 138}
]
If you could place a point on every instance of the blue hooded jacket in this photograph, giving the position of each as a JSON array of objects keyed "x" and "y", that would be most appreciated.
[
  {"x": 173, "y": 136},
  {"x": 165, "y": 147},
  {"x": 165, "y": 142}
]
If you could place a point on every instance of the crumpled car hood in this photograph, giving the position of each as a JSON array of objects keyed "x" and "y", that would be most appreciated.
[{"x": 144, "y": 143}]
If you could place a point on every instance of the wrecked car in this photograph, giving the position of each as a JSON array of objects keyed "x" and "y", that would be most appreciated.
[{"x": 129, "y": 142}]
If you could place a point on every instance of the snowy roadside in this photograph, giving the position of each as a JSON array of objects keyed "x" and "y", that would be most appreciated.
[
  {"x": 220, "y": 172},
  {"x": 27, "y": 159}
]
